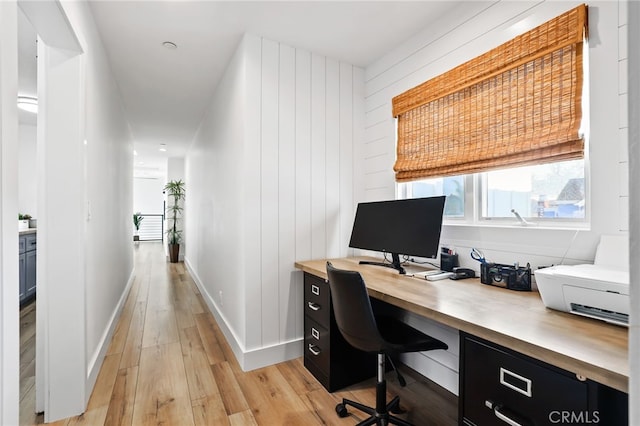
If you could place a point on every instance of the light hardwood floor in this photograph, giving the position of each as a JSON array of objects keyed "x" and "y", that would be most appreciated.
[
  {"x": 28, "y": 365},
  {"x": 168, "y": 363}
]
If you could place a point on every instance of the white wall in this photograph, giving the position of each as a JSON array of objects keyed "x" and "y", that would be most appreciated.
[
  {"x": 27, "y": 170},
  {"x": 9, "y": 325},
  {"x": 108, "y": 165},
  {"x": 623, "y": 113},
  {"x": 214, "y": 209},
  {"x": 61, "y": 291},
  {"x": 470, "y": 30},
  {"x": 175, "y": 168},
  {"x": 85, "y": 202},
  {"x": 147, "y": 195},
  {"x": 269, "y": 180}
]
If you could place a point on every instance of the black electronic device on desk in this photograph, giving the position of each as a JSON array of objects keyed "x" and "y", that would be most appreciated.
[
  {"x": 512, "y": 277},
  {"x": 462, "y": 273},
  {"x": 408, "y": 227}
]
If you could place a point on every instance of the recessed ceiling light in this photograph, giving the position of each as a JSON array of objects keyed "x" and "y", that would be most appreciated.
[
  {"x": 163, "y": 147},
  {"x": 170, "y": 45},
  {"x": 26, "y": 103}
]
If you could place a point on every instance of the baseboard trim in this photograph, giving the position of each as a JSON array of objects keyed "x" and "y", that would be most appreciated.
[
  {"x": 95, "y": 363},
  {"x": 253, "y": 358},
  {"x": 275, "y": 354}
]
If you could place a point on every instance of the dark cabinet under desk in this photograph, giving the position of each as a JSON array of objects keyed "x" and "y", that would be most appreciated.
[
  {"x": 499, "y": 386},
  {"x": 331, "y": 360}
]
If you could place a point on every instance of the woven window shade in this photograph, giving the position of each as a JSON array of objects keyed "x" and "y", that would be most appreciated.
[{"x": 517, "y": 104}]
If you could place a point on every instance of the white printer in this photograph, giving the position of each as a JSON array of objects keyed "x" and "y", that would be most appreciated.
[{"x": 598, "y": 291}]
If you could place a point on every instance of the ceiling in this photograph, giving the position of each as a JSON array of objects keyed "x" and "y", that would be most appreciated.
[{"x": 166, "y": 91}]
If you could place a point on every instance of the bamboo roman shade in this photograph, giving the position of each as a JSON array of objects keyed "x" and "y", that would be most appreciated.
[{"x": 517, "y": 104}]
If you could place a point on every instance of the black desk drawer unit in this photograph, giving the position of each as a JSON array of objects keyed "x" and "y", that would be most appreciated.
[
  {"x": 499, "y": 386},
  {"x": 317, "y": 344},
  {"x": 331, "y": 360},
  {"x": 317, "y": 300}
]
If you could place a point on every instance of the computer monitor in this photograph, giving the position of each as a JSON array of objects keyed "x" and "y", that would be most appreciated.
[{"x": 400, "y": 227}]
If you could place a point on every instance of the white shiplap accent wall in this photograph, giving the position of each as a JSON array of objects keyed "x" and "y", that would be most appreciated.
[
  {"x": 474, "y": 28},
  {"x": 623, "y": 114},
  {"x": 300, "y": 117}
]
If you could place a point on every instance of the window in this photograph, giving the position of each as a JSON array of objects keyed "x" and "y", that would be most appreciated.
[
  {"x": 548, "y": 191},
  {"x": 451, "y": 186}
]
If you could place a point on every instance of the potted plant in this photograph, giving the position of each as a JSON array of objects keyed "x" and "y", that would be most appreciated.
[
  {"x": 23, "y": 221},
  {"x": 176, "y": 190},
  {"x": 137, "y": 220}
]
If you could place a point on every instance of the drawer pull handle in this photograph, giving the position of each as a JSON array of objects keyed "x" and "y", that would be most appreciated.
[
  {"x": 315, "y": 289},
  {"x": 314, "y": 349},
  {"x": 508, "y": 420},
  {"x": 315, "y": 333},
  {"x": 515, "y": 381},
  {"x": 313, "y": 306}
]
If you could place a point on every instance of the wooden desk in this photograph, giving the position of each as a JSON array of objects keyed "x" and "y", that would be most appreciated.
[{"x": 517, "y": 320}]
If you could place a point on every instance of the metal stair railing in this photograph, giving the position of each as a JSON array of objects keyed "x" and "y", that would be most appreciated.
[{"x": 151, "y": 227}]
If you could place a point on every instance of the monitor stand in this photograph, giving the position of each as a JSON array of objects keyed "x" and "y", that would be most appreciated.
[{"x": 395, "y": 263}]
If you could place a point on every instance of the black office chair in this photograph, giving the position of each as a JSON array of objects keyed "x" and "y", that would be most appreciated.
[{"x": 383, "y": 335}]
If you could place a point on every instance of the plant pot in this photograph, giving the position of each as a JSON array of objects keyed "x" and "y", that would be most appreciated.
[
  {"x": 174, "y": 251},
  {"x": 136, "y": 238},
  {"x": 23, "y": 225}
]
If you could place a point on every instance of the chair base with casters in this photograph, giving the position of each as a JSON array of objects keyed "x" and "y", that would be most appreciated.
[
  {"x": 382, "y": 413},
  {"x": 383, "y": 335}
]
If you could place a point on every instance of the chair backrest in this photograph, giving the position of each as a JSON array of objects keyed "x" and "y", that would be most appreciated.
[{"x": 352, "y": 309}]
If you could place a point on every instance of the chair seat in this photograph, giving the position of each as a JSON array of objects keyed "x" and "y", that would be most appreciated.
[
  {"x": 368, "y": 332},
  {"x": 400, "y": 337}
]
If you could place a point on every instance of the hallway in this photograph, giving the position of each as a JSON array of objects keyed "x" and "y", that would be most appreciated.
[{"x": 168, "y": 363}]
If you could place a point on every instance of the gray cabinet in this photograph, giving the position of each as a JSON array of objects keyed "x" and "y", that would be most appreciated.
[
  {"x": 27, "y": 266},
  {"x": 30, "y": 279},
  {"x": 23, "y": 275}
]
